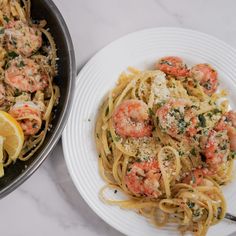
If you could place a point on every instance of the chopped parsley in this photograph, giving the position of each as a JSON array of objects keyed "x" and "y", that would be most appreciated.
[
  {"x": 203, "y": 157},
  {"x": 209, "y": 114},
  {"x": 167, "y": 158},
  {"x": 2, "y": 30},
  {"x": 232, "y": 155},
  {"x": 194, "y": 107},
  {"x": 190, "y": 204},
  {"x": 165, "y": 62},
  {"x": 21, "y": 64},
  {"x": 181, "y": 153},
  {"x": 202, "y": 120},
  {"x": 193, "y": 151},
  {"x": 216, "y": 111},
  {"x": 197, "y": 212},
  {"x": 193, "y": 179},
  {"x": 207, "y": 86},
  {"x": 6, "y": 19},
  {"x": 12, "y": 55},
  {"x": 182, "y": 125},
  {"x": 223, "y": 146},
  {"x": 109, "y": 134},
  {"x": 150, "y": 111},
  {"x": 117, "y": 138},
  {"x": 17, "y": 92}
]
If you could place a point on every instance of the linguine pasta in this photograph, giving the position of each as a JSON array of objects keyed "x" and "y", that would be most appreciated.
[
  {"x": 27, "y": 68},
  {"x": 164, "y": 141}
]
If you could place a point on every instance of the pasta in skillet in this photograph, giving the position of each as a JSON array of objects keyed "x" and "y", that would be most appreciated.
[{"x": 27, "y": 68}]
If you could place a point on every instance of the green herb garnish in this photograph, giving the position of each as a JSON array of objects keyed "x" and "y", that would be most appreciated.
[
  {"x": 117, "y": 138},
  {"x": 190, "y": 204},
  {"x": 216, "y": 111},
  {"x": 193, "y": 151},
  {"x": 193, "y": 179},
  {"x": 202, "y": 120},
  {"x": 182, "y": 125},
  {"x": 6, "y": 19},
  {"x": 181, "y": 153},
  {"x": 21, "y": 64},
  {"x": 12, "y": 55},
  {"x": 197, "y": 213},
  {"x": 2, "y": 30},
  {"x": 150, "y": 111}
]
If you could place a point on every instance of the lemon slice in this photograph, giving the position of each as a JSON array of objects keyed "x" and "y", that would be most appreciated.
[{"x": 13, "y": 135}]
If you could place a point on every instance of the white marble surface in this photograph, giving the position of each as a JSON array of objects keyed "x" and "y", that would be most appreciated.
[{"x": 48, "y": 203}]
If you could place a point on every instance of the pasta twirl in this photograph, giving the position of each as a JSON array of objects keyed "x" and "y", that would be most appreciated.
[{"x": 165, "y": 138}]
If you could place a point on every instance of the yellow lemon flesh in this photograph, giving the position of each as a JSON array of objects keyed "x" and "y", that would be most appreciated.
[{"x": 13, "y": 135}]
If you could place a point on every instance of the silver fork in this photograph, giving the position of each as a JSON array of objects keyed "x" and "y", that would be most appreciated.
[{"x": 230, "y": 217}]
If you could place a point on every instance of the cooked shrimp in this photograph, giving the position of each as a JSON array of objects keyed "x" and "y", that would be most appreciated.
[
  {"x": 206, "y": 76},
  {"x": 228, "y": 122},
  {"x": 22, "y": 39},
  {"x": 28, "y": 114},
  {"x": 217, "y": 148},
  {"x": 25, "y": 75},
  {"x": 228, "y": 119},
  {"x": 195, "y": 177},
  {"x": 131, "y": 119},
  {"x": 2, "y": 93},
  {"x": 172, "y": 66},
  {"x": 143, "y": 179},
  {"x": 177, "y": 118}
]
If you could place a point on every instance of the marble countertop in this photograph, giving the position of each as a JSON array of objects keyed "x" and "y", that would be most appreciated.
[{"x": 48, "y": 203}]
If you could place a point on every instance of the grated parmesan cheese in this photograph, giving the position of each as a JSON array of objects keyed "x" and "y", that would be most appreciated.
[
  {"x": 144, "y": 148},
  {"x": 159, "y": 88}
]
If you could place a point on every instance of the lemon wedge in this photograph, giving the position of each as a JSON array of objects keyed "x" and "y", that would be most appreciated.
[{"x": 13, "y": 135}]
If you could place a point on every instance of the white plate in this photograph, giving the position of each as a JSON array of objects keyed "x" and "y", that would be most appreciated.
[{"x": 139, "y": 49}]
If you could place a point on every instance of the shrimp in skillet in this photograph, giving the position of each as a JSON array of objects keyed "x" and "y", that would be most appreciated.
[
  {"x": 29, "y": 116},
  {"x": 22, "y": 39},
  {"x": 131, "y": 119},
  {"x": 25, "y": 75}
]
